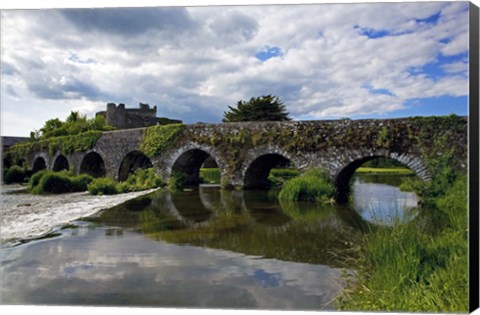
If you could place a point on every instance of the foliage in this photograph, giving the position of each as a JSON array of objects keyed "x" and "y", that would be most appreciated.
[
  {"x": 383, "y": 163},
  {"x": 15, "y": 174},
  {"x": 263, "y": 108},
  {"x": 74, "y": 125},
  {"x": 141, "y": 179},
  {"x": 159, "y": 138},
  {"x": 76, "y": 134},
  {"x": 408, "y": 268},
  {"x": 65, "y": 144},
  {"x": 35, "y": 179},
  {"x": 177, "y": 181},
  {"x": 314, "y": 185},
  {"x": 50, "y": 182},
  {"x": 441, "y": 165},
  {"x": 210, "y": 175},
  {"x": 103, "y": 186},
  {"x": 278, "y": 176},
  {"x": 81, "y": 182},
  {"x": 395, "y": 170},
  {"x": 421, "y": 265}
]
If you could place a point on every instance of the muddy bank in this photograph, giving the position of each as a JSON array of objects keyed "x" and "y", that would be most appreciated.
[{"x": 26, "y": 216}]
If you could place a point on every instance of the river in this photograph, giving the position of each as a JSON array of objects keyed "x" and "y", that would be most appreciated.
[{"x": 203, "y": 248}]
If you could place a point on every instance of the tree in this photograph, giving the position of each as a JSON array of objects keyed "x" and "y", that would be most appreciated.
[
  {"x": 263, "y": 108},
  {"x": 73, "y": 125}
]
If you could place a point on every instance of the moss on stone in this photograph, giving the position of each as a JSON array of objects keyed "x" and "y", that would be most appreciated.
[
  {"x": 159, "y": 138},
  {"x": 64, "y": 144}
]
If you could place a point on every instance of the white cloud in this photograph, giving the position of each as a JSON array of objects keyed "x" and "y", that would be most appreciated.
[
  {"x": 194, "y": 62},
  {"x": 456, "y": 67}
]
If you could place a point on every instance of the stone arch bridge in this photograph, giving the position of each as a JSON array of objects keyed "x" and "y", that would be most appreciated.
[{"x": 246, "y": 152}]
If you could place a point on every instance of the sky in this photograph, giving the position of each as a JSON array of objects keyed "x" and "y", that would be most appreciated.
[{"x": 324, "y": 61}]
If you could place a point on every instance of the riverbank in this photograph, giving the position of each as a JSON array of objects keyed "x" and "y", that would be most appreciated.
[
  {"x": 26, "y": 216},
  {"x": 419, "y": 266}
]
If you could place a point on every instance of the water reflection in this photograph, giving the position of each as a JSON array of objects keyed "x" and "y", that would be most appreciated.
[
  {"x": 96, "y": 268},
  {"x": 199, "y": 248},
  {"x": 378, "y": 199}
]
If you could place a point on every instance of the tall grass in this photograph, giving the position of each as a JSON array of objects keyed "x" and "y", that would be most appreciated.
[
  {"x": 314, "y": 185},
  {"x": 410, "y": 267},
  {"x": 141, "y": 179}
]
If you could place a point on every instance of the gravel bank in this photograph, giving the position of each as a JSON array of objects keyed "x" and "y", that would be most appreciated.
[{"x": 25, "y": 216}]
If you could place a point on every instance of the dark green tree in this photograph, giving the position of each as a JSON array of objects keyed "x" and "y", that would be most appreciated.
[{"x": 263, "y": 108}]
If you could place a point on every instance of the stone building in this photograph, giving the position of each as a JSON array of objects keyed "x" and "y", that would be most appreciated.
[{"x": 127, "y": 118}]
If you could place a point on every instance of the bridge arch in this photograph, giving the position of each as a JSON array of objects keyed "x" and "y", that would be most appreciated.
[
  {"x": 188, "y": 160},
  {"x": 60, "y": 163},
  {"x": 346, "y": 171},
  {"x": 131, "y": 162},
  {"x": 93, "y": 164},
  {"x": 260, "y": 161},
  {"x": 39, "y": 164}
]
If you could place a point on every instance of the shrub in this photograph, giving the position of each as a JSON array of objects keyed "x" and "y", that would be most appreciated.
[
  {"x": 15, "y": 174},
  {"x": 80, "y": 182},
  {"x": 141, "y": 179},
  {"x": 54, "y": 183},
  {"x": 278, "y": 176},
  {"x": 50, "y": 182},
  {"x": 314, "y": 185},
  {"x": 177, "y": 181},
  {"x": 103, "y": 186},
  {"x": 35, "y": 179}
]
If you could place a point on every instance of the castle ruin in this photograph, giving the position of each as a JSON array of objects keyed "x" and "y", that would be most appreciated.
[{"x": 128, "y": 118}]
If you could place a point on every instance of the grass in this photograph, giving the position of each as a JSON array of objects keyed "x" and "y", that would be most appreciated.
[
  {"x": 141, "y": 179},
  {"x": 210, "y": 175},
  {"x": 383, "y": 170},
  {"x": 410, "y": 267},
  {"x": 313, "y": 186}
]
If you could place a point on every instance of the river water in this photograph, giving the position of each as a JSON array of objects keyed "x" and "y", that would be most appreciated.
[{"x": 203, "y": 248}]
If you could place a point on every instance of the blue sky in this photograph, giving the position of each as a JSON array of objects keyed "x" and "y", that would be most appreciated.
[{"x": 324, "y": 61}]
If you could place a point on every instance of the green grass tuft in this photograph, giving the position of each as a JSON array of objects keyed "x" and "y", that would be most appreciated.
[
  {"x": 408, "y": 267},
  {"x": 313, "y": 186}
]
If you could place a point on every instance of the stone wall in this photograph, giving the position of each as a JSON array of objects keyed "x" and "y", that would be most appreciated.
[
  {"x": 127, "y": 118},
  {"x": 340, "y": 146}
]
